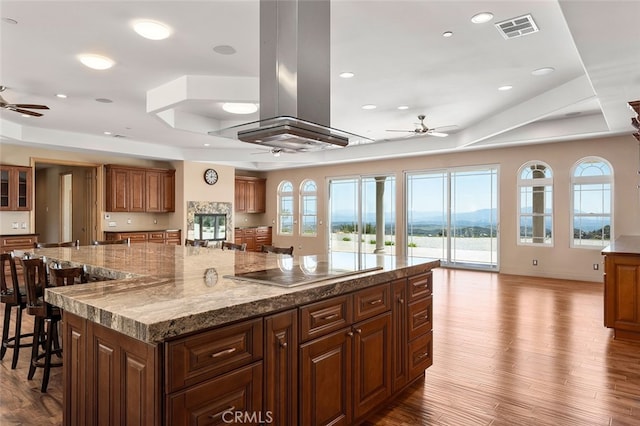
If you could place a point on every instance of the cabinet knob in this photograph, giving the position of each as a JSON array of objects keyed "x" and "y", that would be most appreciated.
[
  {"x": 400, "y": 300},
  {"x": 350, "y": 333},
  {"x": 359, "y": 330},
  {"x": 283, "y": 344}
]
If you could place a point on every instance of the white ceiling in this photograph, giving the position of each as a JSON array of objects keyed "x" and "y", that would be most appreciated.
[{"x": 168, "y": 94}]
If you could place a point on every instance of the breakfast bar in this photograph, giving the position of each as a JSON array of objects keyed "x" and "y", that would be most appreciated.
[{"x": 182, "y": 335}]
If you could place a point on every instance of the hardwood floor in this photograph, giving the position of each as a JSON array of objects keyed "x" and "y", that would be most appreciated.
[{"x": 508, "y": 350}]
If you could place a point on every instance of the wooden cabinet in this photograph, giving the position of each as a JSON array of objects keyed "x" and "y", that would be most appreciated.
[
  {"x": 17, "y": 242},
  {"x": 15, "y": 188},
  {"x": 250, "y": 194},
  {"x": 281, "y": 367},
  {"x": 255, "y": 238},
  {"x": 213, "y": 373},
  {"x": 130, "y": 189},
  {"x": 173, "y": 237},
  {"x": 345, "y": 374},
  {"x": 622, "y": 289},
  {"x": 108, "y": 378}
]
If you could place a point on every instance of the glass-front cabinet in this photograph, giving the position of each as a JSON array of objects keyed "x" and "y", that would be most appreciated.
[{"x": 15, "y": 188}]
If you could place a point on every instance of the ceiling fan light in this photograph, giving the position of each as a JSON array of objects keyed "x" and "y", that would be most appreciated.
[
  {"x": 240, "y": 108},
  {"x": 61, "y": 95},
  {"x": 152, "y": 30},
  {"x": 96, "y": 62},
  {"x": 505, "y": 88},
  {"x": 369, "y": 106}
]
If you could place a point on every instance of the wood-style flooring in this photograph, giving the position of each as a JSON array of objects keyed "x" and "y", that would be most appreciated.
[{"x": 508, "y": 350}]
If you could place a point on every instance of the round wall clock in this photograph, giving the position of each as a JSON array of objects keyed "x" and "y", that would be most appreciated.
[{"x": 210, "y": 176}]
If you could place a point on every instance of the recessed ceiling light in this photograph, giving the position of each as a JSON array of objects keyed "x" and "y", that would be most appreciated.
[
  {"x": 346, "y": 74},
  {"x": 153, "y": 30},
  {"x": 96, "y": 62},
  {"x": 403, "y": 107},
  {"x": 107, "y": 133},
  {"x": 543, "y": 71},
  {"x": 9, "y": 21},
  {"x": 26, "y": 115},
  {"x": 369, "y": 106},
  {"x": 447, "y": 34},
  {"x": 207, "y": 144},
  {"x": 104, "y": 100},
  {"x": 239, "y": 108},
  {"x": 505, "y": 88},
  {"x": 482, "y": 17},
  {"x": 61, "y": 95},
  {"x": 224, "y": 49}
]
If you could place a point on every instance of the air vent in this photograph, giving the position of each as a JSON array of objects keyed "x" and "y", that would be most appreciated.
[{"x": 517, "y": 27}]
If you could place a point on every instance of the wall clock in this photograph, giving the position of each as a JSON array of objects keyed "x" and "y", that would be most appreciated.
[{"x": 210, "y": 176}]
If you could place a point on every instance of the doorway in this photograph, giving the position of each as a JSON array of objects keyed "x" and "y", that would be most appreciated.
[{"x": 65, "y": 201}]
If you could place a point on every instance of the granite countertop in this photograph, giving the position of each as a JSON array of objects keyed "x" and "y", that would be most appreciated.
[
  {"x": 625, "y": 244},
  {"x": 163, "y": 291},
  {"x": 141, "y": 230}
]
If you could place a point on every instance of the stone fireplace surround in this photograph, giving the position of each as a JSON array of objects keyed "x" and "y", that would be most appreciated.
[{"x": 212, "y": 207}]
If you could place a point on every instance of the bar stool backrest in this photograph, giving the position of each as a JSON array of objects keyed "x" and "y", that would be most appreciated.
[
  {"x": 196, "y": 243},
  {"x": 232, "y": 246},
  {"x": 107, "y": 242},
  {"x": 35, "y": 279},
  {"x": 279, "y": 250},
  {"x": 9, "y": 292},
  {"x": 67, "y": 276},
  {"x": 75, "y": 243}
]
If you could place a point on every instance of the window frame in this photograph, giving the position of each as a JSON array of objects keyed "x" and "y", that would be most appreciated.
[
  {"x": 602, "y": 179},
  {"x": 531, "y": 183},
  {"x": 302, "y": 213},
  {"x": 280, "y": 214}
]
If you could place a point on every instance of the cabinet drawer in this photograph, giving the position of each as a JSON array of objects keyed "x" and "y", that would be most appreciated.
[
  {"x": 420, "y": 355},
  {"x": 156, "y": 237},
  {"x": 173, "y": 235},
  {"x": 323, "y": 317},
  {"x": 207, "y": 403},
  {"x": 194, "y": 359},
  {"x": 136, "y": 237},
  {"x": 420, "y": 286},
  {"x": 24, "y": 243},
  {"x": 370, "y": 302},
  {"x": 420, "y": 317}
]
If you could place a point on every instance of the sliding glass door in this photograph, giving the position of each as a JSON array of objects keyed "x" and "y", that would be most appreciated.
[
  {"x": 452, "y": 215},
  {"x": 362, "y": 215}
]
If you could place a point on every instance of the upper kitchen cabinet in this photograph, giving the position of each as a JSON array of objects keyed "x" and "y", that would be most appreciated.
[
  {"x": 130, "y": 189},
  {"x": 250, "y": 194},
  {"x": 15, "y": 188}
]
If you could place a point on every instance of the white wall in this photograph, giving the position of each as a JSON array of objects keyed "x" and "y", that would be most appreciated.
[{"x": 559, "y": 261}]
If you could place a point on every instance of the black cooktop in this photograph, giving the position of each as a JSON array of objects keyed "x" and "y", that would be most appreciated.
[{"x": 297, "y": 275}]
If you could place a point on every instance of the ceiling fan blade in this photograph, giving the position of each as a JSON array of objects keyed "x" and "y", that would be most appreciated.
[
  {"x": 30, "y": 106},
  {"x": 406, "y": 131},
  {"x": 438, "y": 134},
  {"x": 27, "y": 112}
]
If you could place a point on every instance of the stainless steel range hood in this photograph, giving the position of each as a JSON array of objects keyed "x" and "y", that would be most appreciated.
[{"x": 295, "y": 80}]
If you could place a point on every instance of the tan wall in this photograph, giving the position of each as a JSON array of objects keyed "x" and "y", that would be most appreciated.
[{"x": 558, "y": 261}]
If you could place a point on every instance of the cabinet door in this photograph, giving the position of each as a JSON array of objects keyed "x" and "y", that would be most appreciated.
[
  {"x": 74, "y": 336},
  {"x": 154, "y": 191},
  {"x": 23, "y": 190},
  {"x": 399, "y": 324},
  {"x": 169, "y": 191},
  {"x": 260, "y": 193},
  {"x": 372, "y": 364},
  {"x": 250, "y": 197},
  {"x": 240, "y": 196},
  {"x": 218, "y": 401},
  {"x": 250, "y": 239},
  {"x": 123, "y": 387},
  {"x": 325, "y": 380},
  {"x": 15, "y": 188},
  {"x": 137, "y": 194},
  {"x": 622, "y": 293},
  {"x": 281, "y": 368},
  {"x": 117, "y": 190},
  {"x": 5, "y": 188}
]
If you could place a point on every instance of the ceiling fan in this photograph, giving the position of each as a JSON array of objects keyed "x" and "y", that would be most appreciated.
[
  {"x": 423, "y": 129},
  {"x": 21, "y": 108}
]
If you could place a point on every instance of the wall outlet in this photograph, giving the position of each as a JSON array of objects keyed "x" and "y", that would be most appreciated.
[
  {"x": 112, "y": 224},
  {"x": 14, "y": 225},
  {"x": 23, "y": 225},
  {"x": 129, "y": 221},
  {"x": 596, "y": 266},
  {"x": 535, "y": 262}
]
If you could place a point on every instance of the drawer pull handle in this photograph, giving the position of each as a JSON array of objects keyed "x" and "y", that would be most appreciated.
[
  {"x": 220, "y": 413},
  {"x": 330, "y": 317},
  {"x": 423, "y": 355},
  {"x": 225, "y": 352},
  {"x": 419, "y": 284},
  {"x": 375, "y": 302}
]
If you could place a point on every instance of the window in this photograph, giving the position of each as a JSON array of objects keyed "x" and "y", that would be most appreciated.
[
  {"x": 308, "y": 208},
  {"x": 535, "y": 210},
  {"x": 285, "y": 208},
  {"x": 592, "y": 193}
]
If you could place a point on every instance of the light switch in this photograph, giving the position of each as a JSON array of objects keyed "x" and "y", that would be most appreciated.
[
  {"x": 129, "y": 221},
  {"x": 111, "y": 224}
]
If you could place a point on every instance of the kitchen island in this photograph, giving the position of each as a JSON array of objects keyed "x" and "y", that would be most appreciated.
[{"x": 172, "y": 339}]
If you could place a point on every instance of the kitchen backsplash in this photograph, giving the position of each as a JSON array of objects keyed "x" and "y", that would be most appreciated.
[
  {"x": 15, "y": 223},
  {"x": 116, "y": 221}
]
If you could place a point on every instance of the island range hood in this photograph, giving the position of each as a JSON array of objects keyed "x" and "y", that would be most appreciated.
[{"x": 295, "y": 80}]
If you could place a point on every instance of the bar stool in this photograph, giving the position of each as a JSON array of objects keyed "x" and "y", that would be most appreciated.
[
  {"x": 46, "y": 318},
  {"x": 232, "y": 246},
  {"x": 107, "y": 242},
  {"x": 278, "y": 250},
  {"x": 196, "y": 243},
  {"x": 59, "y": 277},
  {"x": 13, "y": 297},
  {"x": 75, "y": 243}
]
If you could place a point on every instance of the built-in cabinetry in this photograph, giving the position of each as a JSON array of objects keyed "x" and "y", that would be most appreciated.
[
  {"x": 250, "y": 194},
  {"x": 173, "y": 236},
  {"x": 17, "y": 242},
  {"x": 622, "y": 287},
  {"x": 15, "y": 188},
  {"x": 333, "y": 361},
  {"x": 254, "y": 237},
  {"x": 131, "y": 189}
]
